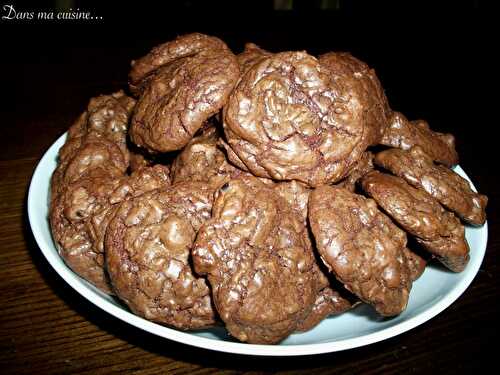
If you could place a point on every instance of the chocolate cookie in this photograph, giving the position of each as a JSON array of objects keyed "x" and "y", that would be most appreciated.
[
  {"x": 451, "y": 190},
  {"x": 438, "y": 230},
  {"x": 287, "y": 119},
  {"x": 362, "y": 247},
  {"x": 91, "y": 165},
  {"x": 95, "y": 157},
  {"x": 140, "y": 181},
  {"x": 180, "y": 84},
  {"x": 365, "y": 92},
  {"x": 260, "y": 270},
  {"x": 107, "y": 117},
  {"x": 69, "y": 212},
  {"x": 79, "y": 216},
  {"x": 96, "y": 142},
  {"x": 148, "y": 245},
  {"x": 405, "y": 134}
]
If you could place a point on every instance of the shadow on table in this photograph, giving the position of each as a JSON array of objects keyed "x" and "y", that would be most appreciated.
[{"x": 181, "y": 352}]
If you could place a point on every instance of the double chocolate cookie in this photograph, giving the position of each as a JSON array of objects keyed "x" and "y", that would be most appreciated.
[
  {"x": 180, "y": 84},
  {"x": 148, "y": 244},
  {"x": 287, "y": 119},
  {"x": 80, "y": 214},
  {"x": 259, "y": 267},
  {"x": 362, "y": 247}
]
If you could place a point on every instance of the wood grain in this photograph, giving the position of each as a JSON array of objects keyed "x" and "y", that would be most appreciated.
[{"x": 47, "y": 327}]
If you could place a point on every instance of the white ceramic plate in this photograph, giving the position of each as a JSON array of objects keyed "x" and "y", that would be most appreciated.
[{"x": 434, "y": 291}]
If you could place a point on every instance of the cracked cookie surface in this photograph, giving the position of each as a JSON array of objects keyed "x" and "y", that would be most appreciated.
[
  {"x": 180, "y": 84},
  {"x": 438, "y": 230},
  {"x": 361, "y": 247},
  {"x": 287, "y": 119},
  {"x": 450, "y": 189},
  {"x": 258, "y": 265},
  {"x": 80, "y": 214},
  {"x": 405, "y": 134},
  {"x": 148, "y": 246}
]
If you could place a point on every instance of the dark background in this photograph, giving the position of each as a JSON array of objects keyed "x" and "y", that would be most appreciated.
[{"x": 435, "y": 60}]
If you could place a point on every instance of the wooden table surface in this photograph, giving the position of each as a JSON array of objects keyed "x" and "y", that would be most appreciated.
[{"x": 47, "y": 327}]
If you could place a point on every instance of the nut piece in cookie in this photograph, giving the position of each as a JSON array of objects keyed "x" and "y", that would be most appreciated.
[
  {"x": 438, "y": 230},
  {"x": 287, "y": 119},
  {"x": 148, "y": 246},
  {"x": 259, "y": 268},
  {"x": 361, "y": 247},
  {"x": 405, "y": 134},
  {"x": 180, "y": 84},
  {"x": 449, "y": 188}
]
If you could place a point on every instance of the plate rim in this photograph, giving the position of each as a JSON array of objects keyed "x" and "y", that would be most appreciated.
[{"x": 90, "y": 293}]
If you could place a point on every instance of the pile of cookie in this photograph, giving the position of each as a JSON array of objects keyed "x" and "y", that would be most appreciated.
[{"x": 263, "y": 191}]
